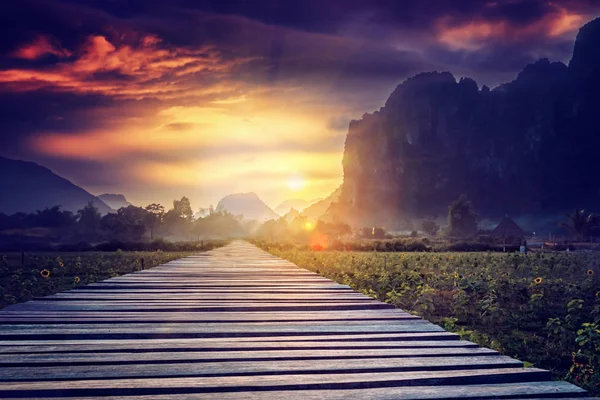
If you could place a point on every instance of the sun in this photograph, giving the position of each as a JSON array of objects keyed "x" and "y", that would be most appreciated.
[{"x": 296, "y": 183}]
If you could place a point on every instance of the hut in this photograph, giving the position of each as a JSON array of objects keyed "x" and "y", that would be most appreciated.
[{"x": 509, "y": 231}]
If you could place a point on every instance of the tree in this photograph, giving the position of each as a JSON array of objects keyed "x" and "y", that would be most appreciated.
[
  {"x": 462, "y": 218},
  {"x": 88, "y": 221},
  {"x": 134, "y": 219},
  {"x": 53, "y": 218},
  {"x": 127, "y": 224},
  {"x": 333, "y": 229},
  {"x": 177, "y": 222},
  {"x": 372, "y": 233},
  {"x": 183, "y": 209},
  {"x": 218, "y": 224},
  {"x": 581, "y": 224},
  {"x": 156, "y": 213},
  {"x": 274, "y": 229},
  {"x": 430, "y": 227}
]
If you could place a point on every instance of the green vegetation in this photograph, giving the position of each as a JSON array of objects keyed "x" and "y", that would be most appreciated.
[
  {"x": 462, "y": 218},
  {"x": 52, "y": 228},
  {"x": 42, "y": 273},
  {"x": 542, "y": 308}
]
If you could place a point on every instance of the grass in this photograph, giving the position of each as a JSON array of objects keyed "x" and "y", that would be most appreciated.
[
  {"x": 542, "y": 308},
  {"x": 45, "y": 273}
]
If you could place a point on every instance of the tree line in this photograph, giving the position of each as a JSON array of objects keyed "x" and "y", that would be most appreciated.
[{"x": 128, "y": 224}]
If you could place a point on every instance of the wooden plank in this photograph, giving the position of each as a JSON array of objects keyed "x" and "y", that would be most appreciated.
[
  {"x": 476, "y": 356},
  {"x": 350, "y": 338},
  {"x": 174, "y": 369},
  {"x": 265, "y": 307},
  {"x": 123, "y": 387},
  {"x": 227, "y": 345},
  {"x": 529, "y": 390}
]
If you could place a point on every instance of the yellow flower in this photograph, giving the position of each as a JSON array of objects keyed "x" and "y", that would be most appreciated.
[
  {"x": 455, "y": 274},
  {"x": 45, "y": 273},
  {"x": 61, "y": 264},
  {"x": 590, "y": 272},
  {"x": 77, "y": 280},
  {"x": 538, "y": 280}
]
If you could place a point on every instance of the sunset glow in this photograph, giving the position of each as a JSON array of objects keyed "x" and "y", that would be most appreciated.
[
  {"x": 238, "y": 102},
  {"x": 296, "y": 183}
]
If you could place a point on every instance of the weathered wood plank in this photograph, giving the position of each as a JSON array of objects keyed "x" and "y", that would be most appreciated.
[
  {"x": 121, "y": 387},
  {"x": 530, "y": 390},
  {"x": 37, "y": 373},
  {"x": 265, "y": 307},
  {"x": 190, "y": 345},
  {"x": 350, "y": 338},
  {"x": 477, "y": 356}
]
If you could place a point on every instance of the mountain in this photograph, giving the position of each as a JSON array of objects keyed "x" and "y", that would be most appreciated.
[
  {"x": 528, "y": 147},
  {"x": 291, "y": 215},
  {"x": 320, "y": 208},
  {"x": 247, "y": 204},
  {"x": 27, "y": 187},
  {"x": 287, "y": 205},
  {"x": 114, "y": 201}
]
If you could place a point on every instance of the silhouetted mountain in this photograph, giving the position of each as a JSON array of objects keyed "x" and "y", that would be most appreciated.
[
  {"x": 248, "y": 205},
  {"x": 319, "y": 209},
  {"x": 114, "y": 201},
  {"x": 27, "y": 187},
  {"x": 291, "y": 215},
  {"x": 287, "y": 205},
  {"x": 527, "y": 147}
]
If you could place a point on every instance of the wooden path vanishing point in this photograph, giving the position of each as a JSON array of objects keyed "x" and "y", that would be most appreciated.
[{"x": 237, "y": 322}]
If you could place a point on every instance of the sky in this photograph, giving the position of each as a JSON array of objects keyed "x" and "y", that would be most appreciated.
[{"x": 161, "y": 99}]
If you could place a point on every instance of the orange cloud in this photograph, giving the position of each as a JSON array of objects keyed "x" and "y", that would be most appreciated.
[
  {"x": 565, "y": 23},
  {"x": 470, "y": 36},
  {"x": 473, "y": 35},
  {"x": 150, "y": 68},
  {"x": 39, "y": 48}
]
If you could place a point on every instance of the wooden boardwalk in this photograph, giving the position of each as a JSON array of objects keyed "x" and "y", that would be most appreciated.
[{"x": 237, "y": 322}]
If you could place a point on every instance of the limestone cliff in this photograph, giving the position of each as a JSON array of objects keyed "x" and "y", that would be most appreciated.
[{"x": 526, "y": 147}]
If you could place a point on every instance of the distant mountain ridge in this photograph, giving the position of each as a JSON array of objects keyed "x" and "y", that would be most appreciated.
[
  {"x": 319, "y": 209},
  {"x": 528, "y": 147},
  {"x": 286, "y": 206},
  {"x": 28, "y": 187},
  {"x": 249, "y": 205},
  {"x": 114, "y": 201}
]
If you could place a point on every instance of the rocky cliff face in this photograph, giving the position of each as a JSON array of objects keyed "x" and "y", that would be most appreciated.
[{"x": 527, "y": 147}]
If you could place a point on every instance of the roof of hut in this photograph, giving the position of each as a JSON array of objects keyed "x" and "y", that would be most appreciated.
[{"x": 508, "y": 227}]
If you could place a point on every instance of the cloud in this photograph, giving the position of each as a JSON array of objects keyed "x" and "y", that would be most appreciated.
[
  {"x": 147, "y": 68},
  {"x": 180, "y": 126},
  {"x": 39, "y": 48},
  {"x": 477, "y": 33}
]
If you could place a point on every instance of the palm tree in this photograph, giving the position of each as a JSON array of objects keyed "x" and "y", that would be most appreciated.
[{"x": 580, "y": 224}]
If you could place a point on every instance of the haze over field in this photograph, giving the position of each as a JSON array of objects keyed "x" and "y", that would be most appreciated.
[{"x": 157, "y": 100}]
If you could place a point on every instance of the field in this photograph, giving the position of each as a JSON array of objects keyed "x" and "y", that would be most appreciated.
[
  {"x": 542, "y": 308},
  {"x": 42, "y": 274}
]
